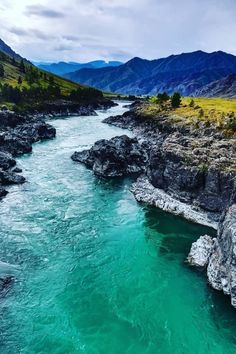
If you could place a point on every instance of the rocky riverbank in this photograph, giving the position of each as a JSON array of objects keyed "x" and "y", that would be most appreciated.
[
  {"x": 17, "y": 134},
  {"x": 187, "y": 170},
  {"x": 62, "y": 107}
]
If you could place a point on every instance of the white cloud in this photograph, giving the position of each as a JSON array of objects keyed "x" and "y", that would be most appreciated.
[{"x": 82, "y": 30}]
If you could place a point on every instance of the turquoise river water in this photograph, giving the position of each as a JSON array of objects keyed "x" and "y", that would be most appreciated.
[{"x": 99, "y": 273}]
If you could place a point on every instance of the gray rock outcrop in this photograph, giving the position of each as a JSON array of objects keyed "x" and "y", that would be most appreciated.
[
  {"x": 221, "y": 270},
  {"x": 117, "y": 157},
  {"x": 219, "y": 255},
  {"x": 200, "y": 251}
]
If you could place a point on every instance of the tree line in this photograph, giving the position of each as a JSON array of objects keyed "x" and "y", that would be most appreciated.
[
  {"x": 16, "y": 95},
  {"x": 162, "y": 98}
]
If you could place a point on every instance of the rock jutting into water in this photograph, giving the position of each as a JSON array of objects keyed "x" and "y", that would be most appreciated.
[
  {"x": 200, "y": 251},
  {"x": 145, "y": 192},
  {"x": 219, "y": 255},
  {"x": 117, "y": 157}
]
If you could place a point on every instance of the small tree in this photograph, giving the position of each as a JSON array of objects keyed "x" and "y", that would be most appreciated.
[
  {"x": 19, "y": 80},
  {"x": 162, "y": 97},
  {"x": 176, "y": 100},
  {"x": 201, "y": 113},
  {"x": 22, "y": 66},
  {"x": 1, "y": 70},
  {"x": 192, "y": 103}
]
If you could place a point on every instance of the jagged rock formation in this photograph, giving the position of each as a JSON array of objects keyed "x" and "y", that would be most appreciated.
[
  {"x": 200, "y": 251},
  {"x": 221, "y": 269},
  {"x": 219, "y": 255},
  {"x": 145, "y": 192},
  {"x": 117, "y": 157},
  {"x": 194, "y": 166}
]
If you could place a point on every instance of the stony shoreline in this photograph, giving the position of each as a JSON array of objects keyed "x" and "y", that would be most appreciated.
[{"x": 145, "y": 192}]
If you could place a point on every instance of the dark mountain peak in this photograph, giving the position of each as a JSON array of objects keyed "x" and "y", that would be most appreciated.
[
  {"x": 137, "y": 63},
  {"x": 135, "y": 60}
]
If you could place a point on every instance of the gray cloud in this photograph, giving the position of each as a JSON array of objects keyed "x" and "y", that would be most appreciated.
[
  {"x": 63, "y": 47},
  {"x": 30, "y": 32},
  {"x": 19, "y": 31},
  {"x": 39, "y": 10}
]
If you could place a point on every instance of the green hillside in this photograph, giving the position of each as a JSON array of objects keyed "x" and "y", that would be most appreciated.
[{"x": 22, "y": 83}]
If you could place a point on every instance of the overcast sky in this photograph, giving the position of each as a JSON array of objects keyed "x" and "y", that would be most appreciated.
[{"x": 84, "y": 30}]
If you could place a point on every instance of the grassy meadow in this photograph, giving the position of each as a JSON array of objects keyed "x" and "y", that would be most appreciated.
[{"x": 209, "y": 111}]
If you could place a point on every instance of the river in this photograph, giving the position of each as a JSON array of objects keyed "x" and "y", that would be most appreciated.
[{"x": 99, "y": 273}]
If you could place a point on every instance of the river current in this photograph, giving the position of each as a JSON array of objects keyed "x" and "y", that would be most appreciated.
[{"x": 99, "y": 273}]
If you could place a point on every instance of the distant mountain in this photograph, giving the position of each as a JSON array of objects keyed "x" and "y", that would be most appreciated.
[
  {"x": 186, "y": 73},
  {"x": 63, "y": 68},
  {"x": 7, "y": 50},
  {"x": 225, "y": 87}
]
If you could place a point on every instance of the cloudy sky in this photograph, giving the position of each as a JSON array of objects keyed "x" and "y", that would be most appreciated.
[{"x": 83, "y": 30}]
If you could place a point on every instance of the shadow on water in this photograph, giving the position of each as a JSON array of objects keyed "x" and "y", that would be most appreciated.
[
  {"x": 172, "y": 238},
  {"x": 114, "y": 184},
  {"x": 175, "y": 234}
]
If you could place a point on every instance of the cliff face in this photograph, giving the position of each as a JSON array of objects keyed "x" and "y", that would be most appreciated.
[
  {"x": 191, "y": 169},
  {"x": 219, "y": 255},
  {"x": 221, "y": 270}
]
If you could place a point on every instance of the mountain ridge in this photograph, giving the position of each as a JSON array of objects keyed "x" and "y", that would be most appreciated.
[{"x": 185, "y": 72}]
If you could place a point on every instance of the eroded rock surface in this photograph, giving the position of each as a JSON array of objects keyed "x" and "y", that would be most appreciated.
[
  {"x": 117, "y": 157},
  {"x": 221, "y": 269},
  {"x": 195, "y": 166},
  {"x": 200, "y": 251}
]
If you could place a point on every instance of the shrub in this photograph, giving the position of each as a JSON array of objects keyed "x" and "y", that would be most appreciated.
[
  {"x": 176, "y": 100},
  {"x": 162, "y": 97},
  {"x": 201, "y": 113},
  {"x": 153, "y": 100},
  {"x": 192, "y": 103},
  {"x": 231, "y": 124}
]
